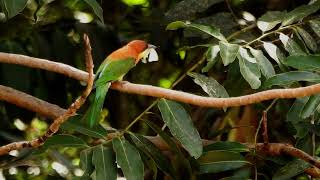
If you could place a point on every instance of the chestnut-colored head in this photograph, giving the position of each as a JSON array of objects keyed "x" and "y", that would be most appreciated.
[
  {"x": 138, "y": 45},
  {"x": 133, "y": 49}
]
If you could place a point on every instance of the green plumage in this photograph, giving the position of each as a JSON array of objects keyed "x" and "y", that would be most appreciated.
[{"x": 109, "y": 70}]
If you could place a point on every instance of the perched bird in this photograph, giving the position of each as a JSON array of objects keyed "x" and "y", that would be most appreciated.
[{"x": 113, "y": 68}]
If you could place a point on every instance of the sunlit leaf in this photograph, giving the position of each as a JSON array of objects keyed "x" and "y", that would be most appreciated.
[
  {"x": 249, "y": 70},
  {"x": 181, "y": 127},
  {"x": 64, "y": 140},
  {"x": 12, "y": 7},
  {"x": 311, "y": 106},
  {"x": 315, "y": 25},
  {"x": 96, "y": 8},
  {"x": 86, "y": 163},
  {"x": 218, "y": 161},
  {"x": 211, "y": 55},
  {"x": 228, "y": 52},
  {"x": 308, "y": 63},
  {"x": 269, "y": 20},
  {"x": 300, "y": 13},
  {"x": 209, "y": 85},
  {"x": 265, "y": 65},
  {"x": 226, "y": 146},
  {"x": 275, "y": 53},
  {"x": 308, "y": 39},
  {"x": 104, "y": 162},
  {"x": 128, "y": 158},
  {"x": 151, "y": 150},
  {"x": 290, "y": 45},
  {"x": 290, "y": 170},
  {"x": 211, "y": 30},
  {"x": 285, "y": 79}
]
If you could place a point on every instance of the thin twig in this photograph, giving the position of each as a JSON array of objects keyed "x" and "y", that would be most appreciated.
[{"x": 54, "y": 127}]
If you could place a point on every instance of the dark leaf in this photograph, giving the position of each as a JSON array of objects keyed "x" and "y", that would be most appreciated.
[
  {"x": 285, "y": 79},
  {"x": 181, "y": 127},
  {"x": 290, "y": 170},
  {"x": 151, "y": 150},
  {"x": 96, "y": 8},
  {"x": 310, "y": 107},
  {"x": 301, "y": 62},
  {"x": 104, "y": 162},
  {"x": 226, "y": 146},
  {"x": 211, "y": 30},
  {"x": 86, "y": 163},
  {"x": 12, "y": 7},
  {"x": 128, "y": 158},
  {"x": 218, "y": 161}
]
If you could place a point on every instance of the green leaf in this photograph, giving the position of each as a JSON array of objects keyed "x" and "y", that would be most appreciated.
[
  {"x": 96, "y": 8},
  {"x": 151, "y": 150},
  {"x": 315, "y": 25},
  {"x": 104, "y": 162},
  {"x": 285, "y": 79},
  {"x": 269, "y": 20},
  {"x": 12, "y": 7},
  {"x": 209, "y": 85},
  {"x": 64, "y": 140},
  {"x": 264, "y": 64},
  {"x": 181, "y": 127},
  {"x": 211, "y": 55},
  {"x": 300, "y": 13},
  {"x": 275, "y": 53},
  {"x": 128, "y": 158},
  {"x": 308, "y": 39},
  {"x": 228, "y": 52},
  {"x": 226, "y": 146},
  {"x": 249, "y": 69},
  {"x": 290, "y": 45},
  {"x": 290, "y": 170},
  {"x": 86, "y": 163},
  {"x": 294, "y": 113},
  {"x": 311, "y": 106},
  {"x": 301, "y": 62},
  {"x": 74, "y": 125},
  {"x": 172, "y": 145},
  {"x": 211, "y": 30},
  {"x": 218, "y": 161}
]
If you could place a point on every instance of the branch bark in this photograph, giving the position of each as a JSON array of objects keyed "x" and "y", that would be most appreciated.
[{"x": 148, "y": 90}]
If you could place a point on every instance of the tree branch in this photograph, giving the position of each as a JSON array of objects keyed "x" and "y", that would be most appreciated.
[
  {"x": 71, "y": 111},
  {"x": 148, "y": 90}
]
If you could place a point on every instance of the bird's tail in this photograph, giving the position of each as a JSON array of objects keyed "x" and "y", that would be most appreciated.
[{"x": 93, "y": 113}]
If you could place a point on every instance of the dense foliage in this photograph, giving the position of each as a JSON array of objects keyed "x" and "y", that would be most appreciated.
[{"x": 212, "y": 48}]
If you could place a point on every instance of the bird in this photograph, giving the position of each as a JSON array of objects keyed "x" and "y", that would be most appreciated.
[{"x": 114, "y": 68}]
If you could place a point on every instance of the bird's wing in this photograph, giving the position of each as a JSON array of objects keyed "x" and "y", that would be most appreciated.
[{"x": 113, "y": 70}]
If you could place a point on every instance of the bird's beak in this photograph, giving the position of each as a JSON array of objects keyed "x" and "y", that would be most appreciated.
[
  {"x": 149, "y": 55},
  {"x": 151, "y": 46}
]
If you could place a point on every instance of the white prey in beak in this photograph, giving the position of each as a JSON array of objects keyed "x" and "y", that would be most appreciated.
[{"x": 149, "y": 55}]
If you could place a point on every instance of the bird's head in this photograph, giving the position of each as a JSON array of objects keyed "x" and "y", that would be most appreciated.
[{"x": 146, "y": 52}]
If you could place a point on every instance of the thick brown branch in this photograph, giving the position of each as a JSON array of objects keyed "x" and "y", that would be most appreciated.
[
  {"x": 153, "y": 91},
  {"x": 31, "y": 103},
  {"x": 71, "y": 111}
]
